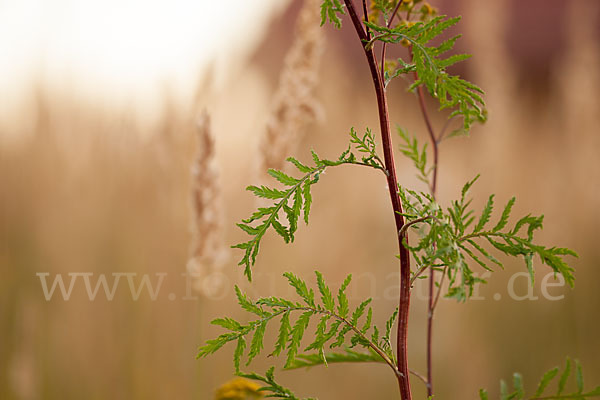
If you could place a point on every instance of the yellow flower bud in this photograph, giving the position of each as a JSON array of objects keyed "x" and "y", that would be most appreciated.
[
  {"x": 390, "y": 66},
  {"x": 238, "y": 389},
  {"x": 427, "y": 11}
]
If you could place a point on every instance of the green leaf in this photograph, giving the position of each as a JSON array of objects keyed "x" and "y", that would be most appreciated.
[
  {"x": 298, "y": 193},
  {"x": 281, "y": 230},
  {"x": 266, "y": 193},
  {"x": 239, "y": 352},
  {"x": 213, "y": 345},
  {"x": 277, "y": 391},
  {"x": 307, "y": 295},
  {"x": 320, "y": 337},
  {"x": 467, "y": 187},
  {"x": 578, "y": 376},
  {"x": 452, "y": 92},
  {"x": 248, "y": 229},
  {"x": 503, "y": 391},
  {"x": 296, "y": 336},
  {"x": 519, "y": 390},
  {"x": 341, "y": 336},
  {"x": 290, "y": 335},
  {"x": 546, "y": 379},
  {"x": 283, "y": 178},
  {"x": 330, "y": 10},
  {"x": 505, "y": 215},
  {"x": 475, "y": 258},
  {"x": 529, "y": 264},
  {"x": 348, "y": 356},
  {"x": 326, "y": 296},
  {"x": 301, "y": 167},
  {"x": 343, "y": 308},
  {"x": 485, "y": 253},
  {"x": 453, "y": 59},
  {"x": 485, "y": 215},
  {"x": 564, "y": 376},
  {"x": 276, "y": 302},
  {"x": 447, "y": 233},
  {"x": 518, "y": 385},
  {"x": 411, "y": 149},
  {"x": 368, "y": 321},
  {"x": 228, "y": 323},
  {"x": 247, "y": 304},
  {"x": 375, "y": 335},
  {"x": 593, "y": 392},
  {"x": 359, "y": 311},
  {"x": 284, "y": 332},
  {"x": 307, "y": 200},
  {"x": 315, "y": 157},
  {"x": 389, "y": 325}
]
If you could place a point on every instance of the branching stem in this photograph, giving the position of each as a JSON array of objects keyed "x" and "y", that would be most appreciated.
[
  {"x": 384, "y": 45},
  {"x": 413, "y": 222},
  {"x": 372, "y": 345},
  {"x": 433, "y": 189},
  {"x": 366, "y": 15},
  {"x": 315, "y": 310},
  {"x": 418, "y": 273},
  {"x": 386, "y": 138},
  {"x": 439, "y": 292}
]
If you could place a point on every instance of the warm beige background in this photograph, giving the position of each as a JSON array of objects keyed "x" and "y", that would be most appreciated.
[{"x": 87, "y": 187}]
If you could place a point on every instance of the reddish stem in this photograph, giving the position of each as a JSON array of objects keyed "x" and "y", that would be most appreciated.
[
  {"x": 434, "y": 142},
  {"x": 384, "y": 45},
  {"x": 386, "y": 138},
  {"x": 366, "y": 16},
  {"x": 430, "y": 302},
  {"x": 430, "y": 308}
]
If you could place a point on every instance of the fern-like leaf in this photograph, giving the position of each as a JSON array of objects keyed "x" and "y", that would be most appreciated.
[
  {"x": 458, "y": 240},
  {"x": 429, "y": 64},
  {"x": 334, "y": 322},
  {"x": 518, "y": 392},
  {"x": 295, "y": 199},
  {"x": 274, "y": 389}
]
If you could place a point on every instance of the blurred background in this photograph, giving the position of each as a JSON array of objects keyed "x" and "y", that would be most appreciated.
[{"x": 104, "y": 148}]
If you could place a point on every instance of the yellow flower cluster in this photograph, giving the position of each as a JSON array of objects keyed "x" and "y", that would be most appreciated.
[
  {"x": 390, "y": 66},
  {"x": 239, "y": 389},
  {"x": 405, "y": 42},
  {"x": 426, "y": 11},
  {"x": 376, "y": 8}
]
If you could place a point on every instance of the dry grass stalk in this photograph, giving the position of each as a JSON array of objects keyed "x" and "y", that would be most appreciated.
[
  {"x": 207, "y": 252},
  {"x": 295, "y": 106}
]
